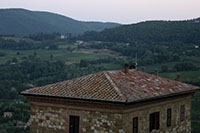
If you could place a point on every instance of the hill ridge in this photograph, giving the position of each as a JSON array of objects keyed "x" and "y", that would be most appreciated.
[
  {"x": 22, "y": 22},
  {"x": 187, "y": 31}
]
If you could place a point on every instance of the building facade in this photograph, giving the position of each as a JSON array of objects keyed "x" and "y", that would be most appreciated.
[{"x": 112, "y": 102}]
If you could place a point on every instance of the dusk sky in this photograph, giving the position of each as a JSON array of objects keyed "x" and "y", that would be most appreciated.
[{"x": 121, "y": 11}]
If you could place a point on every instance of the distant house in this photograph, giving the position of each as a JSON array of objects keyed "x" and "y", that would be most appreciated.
[
  {"x": 21, "y": 124},
  {"x": 7, "y": 114},
  {"x": 12, "y": 89},
  {"x": 62, "y": 37},
  {"x": 79, "y": 42},
  {"x": 19, "y": 102},
  {"x": 127, "y": 101},
  {"x": 29, "y": 85}
]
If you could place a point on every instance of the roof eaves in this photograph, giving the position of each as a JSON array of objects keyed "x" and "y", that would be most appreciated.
[
  {"x": 75, "y": 98},
  {"x": 164, "y": 96}
]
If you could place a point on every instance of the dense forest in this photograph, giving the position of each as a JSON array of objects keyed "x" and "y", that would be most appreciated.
[
  {"x": 21, "y": 22},
  {"x": 153, "y": 41},
  {"x": 150, "y": 32}
]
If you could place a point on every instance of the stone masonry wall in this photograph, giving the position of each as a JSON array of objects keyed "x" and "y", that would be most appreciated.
[
  {"x": 51, "y": 118},
  {"x": 47, "y": 119},
  {"x": 143, "y": 114}
]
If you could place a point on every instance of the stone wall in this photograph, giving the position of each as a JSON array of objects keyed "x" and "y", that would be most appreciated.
[
  {"x": 51, "y": 119},
  {"x": 143, "y": 114},
  {"x": 53, "y": 116},
  {"x": 47, "y": 119}
]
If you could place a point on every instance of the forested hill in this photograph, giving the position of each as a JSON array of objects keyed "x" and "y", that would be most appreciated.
[
  {"x": 150, "y": 31},
  {"x": 22, "y": 22}
]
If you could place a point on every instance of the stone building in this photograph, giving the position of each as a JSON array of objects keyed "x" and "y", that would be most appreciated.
[
  {"x": 7, "y": 114},
  {"x": 127, "y": 101}
]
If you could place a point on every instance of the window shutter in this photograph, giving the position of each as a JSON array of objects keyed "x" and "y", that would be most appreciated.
[
  {"x": 135, "y": 125},
  {"x": 74, "y": 124}
]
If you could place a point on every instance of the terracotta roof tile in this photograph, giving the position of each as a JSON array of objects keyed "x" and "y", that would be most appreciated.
[{"x": 115, "y": 86}]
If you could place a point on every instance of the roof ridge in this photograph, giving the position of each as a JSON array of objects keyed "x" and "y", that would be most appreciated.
[{"x": 123, "y": 97}]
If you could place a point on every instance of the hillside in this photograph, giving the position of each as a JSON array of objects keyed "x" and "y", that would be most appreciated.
[
  {"x": 154, "y": 42},
  {"x": 151, "y": 31},
  {"x": 22, "y": 22},
  {"x": 44, "y": 58}
]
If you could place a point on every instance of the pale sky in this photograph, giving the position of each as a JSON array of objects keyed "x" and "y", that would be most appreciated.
[{"x": 121, "y": 11}]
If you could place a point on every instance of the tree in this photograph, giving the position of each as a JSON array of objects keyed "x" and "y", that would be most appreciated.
[
  {"x": 18, "y": 53},
  {"x": 53, "y": 47},
  {"x": 34, "y": 54},
  {"x": 83, "y": 63},
  {"x": 51, "y": 57},
  {"x": 14, "y": 59},
  {"x": 2, "y": 54},
  {"x": 164, "y": 68},
  {"x": 186, "y": 66}
]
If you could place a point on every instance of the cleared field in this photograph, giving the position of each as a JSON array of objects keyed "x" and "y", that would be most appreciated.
[
  {"x": 186, "y": 75},
  {"x": 46, "y": 55},
  {"x": 151, "y": 68}
]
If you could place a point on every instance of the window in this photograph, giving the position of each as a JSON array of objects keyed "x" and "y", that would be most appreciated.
[
  {"x": 182, "y": 115},
  {"x": 135, "y": 125},
  {"x": 154, "y": 121},
  {"x": 74, "y": 124},
  {"x": 169, "y": 117}
]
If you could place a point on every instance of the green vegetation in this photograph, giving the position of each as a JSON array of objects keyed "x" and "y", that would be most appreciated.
[
  {"x": 21, "y": 22},
  {"x": 150, "y": 31},
  {"x": 192, "y": 77},
  {"x": 153, "y": 41},
  {"x": 20, "y": 113},
  {"x": 41, "y": 58},
  {"x": 62, "y": 55},
  {"x": 38, "y": 63},
  {"x": 195, "y": 113}
]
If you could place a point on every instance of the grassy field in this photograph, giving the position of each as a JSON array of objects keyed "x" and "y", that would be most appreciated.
[
  {"x": 63, "y": 55},
  {"x": 151, "y": 68},
  {"x": 76, "y": 56},
  {"x": 186, "y": 76}
]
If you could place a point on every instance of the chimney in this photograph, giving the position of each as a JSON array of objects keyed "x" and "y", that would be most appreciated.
[
  {"x": 156, "y": 72},
  {"x": 132, "y": 66},
  {"x": 178, "y": 77},
  {"x": 143, "y": 69},
  {"x": 126, "y": 68}
]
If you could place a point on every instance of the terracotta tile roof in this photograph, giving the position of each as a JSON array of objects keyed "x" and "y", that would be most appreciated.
[{"x": 115, "y": 86}]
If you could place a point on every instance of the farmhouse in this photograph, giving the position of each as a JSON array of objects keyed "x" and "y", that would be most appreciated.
[
  {"x": 123, "y": 101},
  {"x": 7, "y": 114}
]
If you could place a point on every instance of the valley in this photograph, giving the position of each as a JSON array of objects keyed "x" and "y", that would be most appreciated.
[{"x": 47, "y": 57}]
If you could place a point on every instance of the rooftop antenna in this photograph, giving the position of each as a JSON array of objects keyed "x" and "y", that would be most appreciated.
[{"x": 136, "y": 61}]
